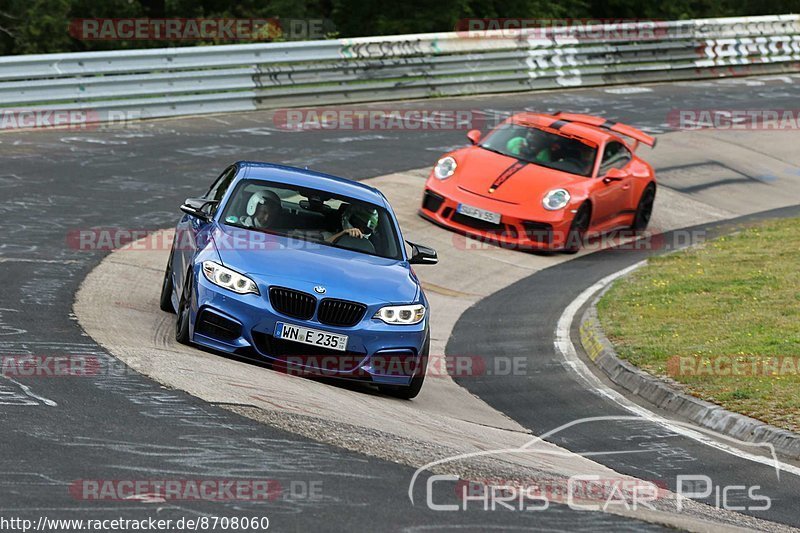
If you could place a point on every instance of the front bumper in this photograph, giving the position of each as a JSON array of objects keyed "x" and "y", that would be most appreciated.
[
  {"x": 440, "y": 203},
  {"x": 245, "y": 325}
]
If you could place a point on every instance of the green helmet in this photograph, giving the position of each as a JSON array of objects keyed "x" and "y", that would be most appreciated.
[{"x": 360, "y": 217}]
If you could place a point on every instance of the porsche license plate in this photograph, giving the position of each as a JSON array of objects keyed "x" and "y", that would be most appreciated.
[
  {"x": 480, "y": 214},
  {"x": 313, "y": 337}
]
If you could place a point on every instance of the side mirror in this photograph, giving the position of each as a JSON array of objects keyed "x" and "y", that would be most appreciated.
[
  {"x": 422, "y": 255},
  {"x": 615, "y": 174},
  {"x": 198, "y": 207},
  {"x": 474, "y": 136}
]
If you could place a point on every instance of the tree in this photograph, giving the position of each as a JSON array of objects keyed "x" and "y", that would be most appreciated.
[{"x": 40, "y": 26}]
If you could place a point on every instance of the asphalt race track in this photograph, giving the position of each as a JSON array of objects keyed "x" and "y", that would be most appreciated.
[
  {"x": 122, "y": 425},
  {"x": 530, "y": 310}
]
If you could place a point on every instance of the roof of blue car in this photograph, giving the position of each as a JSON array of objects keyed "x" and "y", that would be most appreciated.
[{"x": 312, "y": 179}]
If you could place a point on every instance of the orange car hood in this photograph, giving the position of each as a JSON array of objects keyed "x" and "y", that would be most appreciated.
[{"x": 480, "y": 169}]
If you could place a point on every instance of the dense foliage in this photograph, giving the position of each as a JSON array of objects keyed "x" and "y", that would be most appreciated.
[{"x": 40, "y": 26}]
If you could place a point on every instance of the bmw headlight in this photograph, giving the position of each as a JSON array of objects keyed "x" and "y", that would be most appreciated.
[
  {"x": 445, "y": 167},
  {"x": 401, "y": 314},
  {"x": 556, "y": 199},
  {"x": 228, "y": 279}
]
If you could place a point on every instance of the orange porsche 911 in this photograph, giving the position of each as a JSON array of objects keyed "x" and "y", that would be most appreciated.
[{"x": 544, "y": 182}]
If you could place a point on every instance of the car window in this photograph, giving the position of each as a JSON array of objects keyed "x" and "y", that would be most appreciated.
[
  {"x": 218, "y": 189},
  {"x": 314, "y": 216},
  {"x": 543, "y": 148},
  {"x": 614, "y": 156}
]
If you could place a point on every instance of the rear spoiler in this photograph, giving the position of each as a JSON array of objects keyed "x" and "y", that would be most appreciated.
[{"x": 623, "y": 129}]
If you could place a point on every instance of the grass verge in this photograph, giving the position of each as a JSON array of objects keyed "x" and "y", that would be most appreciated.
[{"x": 722, "y": 319}]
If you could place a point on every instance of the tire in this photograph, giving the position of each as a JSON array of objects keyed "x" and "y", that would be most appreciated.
[
  {"x": 184, "y": 308},
  {"x": 644, "y": 210},
  {"x": 578, "y": 229},
  {"x": 413, "y": 389},
  {"x": 165, "y": 303}
]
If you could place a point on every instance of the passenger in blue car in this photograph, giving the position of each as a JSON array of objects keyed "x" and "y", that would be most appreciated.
[{"x": 263, "y": 209}]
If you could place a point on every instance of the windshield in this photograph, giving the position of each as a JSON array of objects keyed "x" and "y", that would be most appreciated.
[
  {"x": 542, "y": 148},
  {"x": 312, "y": 215}
]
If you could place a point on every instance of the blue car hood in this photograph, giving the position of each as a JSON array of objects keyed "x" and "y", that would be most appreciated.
[{"x": 276, "y": 260}]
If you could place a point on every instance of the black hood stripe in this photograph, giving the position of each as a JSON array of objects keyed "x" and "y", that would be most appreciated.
[{"x": 507, "y": 173}]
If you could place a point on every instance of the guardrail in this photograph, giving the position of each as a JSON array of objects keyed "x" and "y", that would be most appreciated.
[{"x": 108, "y": 86}]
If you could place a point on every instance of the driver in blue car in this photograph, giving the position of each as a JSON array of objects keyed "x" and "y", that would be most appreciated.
[{"x": 357, "y": 222}]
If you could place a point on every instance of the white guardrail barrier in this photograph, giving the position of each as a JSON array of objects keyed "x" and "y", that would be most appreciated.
[{"x": 108, "y": 86}]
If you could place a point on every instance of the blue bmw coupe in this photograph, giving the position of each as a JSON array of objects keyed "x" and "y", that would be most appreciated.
[{"x": 305, "y": 270}]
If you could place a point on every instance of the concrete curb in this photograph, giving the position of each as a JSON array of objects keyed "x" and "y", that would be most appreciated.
[{"x": 663, "y": 393}]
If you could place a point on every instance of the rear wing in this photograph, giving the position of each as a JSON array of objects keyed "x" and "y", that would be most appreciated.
[{"x": 623, "y": 129}]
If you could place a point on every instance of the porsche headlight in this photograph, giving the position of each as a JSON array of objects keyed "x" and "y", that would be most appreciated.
[
  {"x": 556, "y": 199},
  {"x": 401, "y": 314},
  {"x": 445, "y": 167},
  {"x": 228, "y": 279}
]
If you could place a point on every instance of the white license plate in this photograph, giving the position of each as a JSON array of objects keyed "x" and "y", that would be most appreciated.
[
  {"x": 314, "y": 337},
  {"x": 480, "y": 214}
]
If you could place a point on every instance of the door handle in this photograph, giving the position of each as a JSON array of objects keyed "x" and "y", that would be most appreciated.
[{"x": 626, "y": 186}]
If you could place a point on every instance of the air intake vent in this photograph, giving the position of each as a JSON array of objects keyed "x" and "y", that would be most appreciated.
[
  {"x": 432, "y": 202},
  {"x": 211, "y": 324},
  {"x": 538, "y": 231}
]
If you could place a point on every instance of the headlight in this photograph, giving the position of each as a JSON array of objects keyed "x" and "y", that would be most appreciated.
[
  {"x": 401, "y": 314},
  {"x": 445, "y": 167},
  {"x": 228, "y": 279},
  {"x": 556, "y": 199}
]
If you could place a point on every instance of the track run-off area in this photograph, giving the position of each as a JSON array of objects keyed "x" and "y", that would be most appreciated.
[{"x": 175, "y": 412}]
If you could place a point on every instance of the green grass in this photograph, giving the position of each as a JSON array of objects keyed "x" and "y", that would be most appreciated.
[{"x": 735, "y": 300}]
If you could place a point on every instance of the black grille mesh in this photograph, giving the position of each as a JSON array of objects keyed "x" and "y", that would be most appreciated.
[
  {"x": 292, "y": 303},
  {"x": 340, "y": 312}
]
